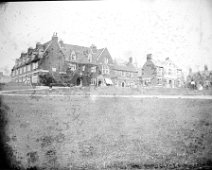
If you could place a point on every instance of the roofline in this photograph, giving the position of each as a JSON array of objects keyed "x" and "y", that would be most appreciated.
[
  {"x": 47, "y": 47},
  {"x": 101, "y": 53}
]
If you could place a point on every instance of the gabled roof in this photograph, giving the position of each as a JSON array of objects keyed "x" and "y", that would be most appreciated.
[{"x": 81, "y": 53}]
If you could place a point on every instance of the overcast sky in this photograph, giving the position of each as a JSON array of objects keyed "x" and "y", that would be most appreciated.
[{"x": 178, "y": 29}]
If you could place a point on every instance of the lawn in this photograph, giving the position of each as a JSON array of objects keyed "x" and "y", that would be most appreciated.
[
  {"x": 112, "y": 90},
  {"x": 83, "y": 132}
]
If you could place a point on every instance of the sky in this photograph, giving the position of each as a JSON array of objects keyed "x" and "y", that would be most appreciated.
[{"x": 178, "y": 29}]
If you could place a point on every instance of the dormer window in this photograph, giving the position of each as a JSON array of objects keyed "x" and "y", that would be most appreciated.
[
  {"x": 72, "y": 56},
  {"x": 106, "y": 60},
  {"x": 89, "y": 58}
]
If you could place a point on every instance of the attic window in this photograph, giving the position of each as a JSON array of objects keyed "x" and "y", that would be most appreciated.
[
  {"x": 72, "y": 56},
  {"x": 106, "y": 60},
  {"x": 89, "y": 58}
]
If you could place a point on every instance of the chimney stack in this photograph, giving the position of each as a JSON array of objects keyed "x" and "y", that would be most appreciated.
[
  {"x": 205, "y": 68},
  {"x": 61, "y": 43},
  {"x": 130, "y": 60},
  {"x": 93, "y": 48},
  {"x": 54, "y": 37},
  {"x": 30, "y": 49},
  {"x": 38, "y": 45},
  {"x": 149, "y": 57}
]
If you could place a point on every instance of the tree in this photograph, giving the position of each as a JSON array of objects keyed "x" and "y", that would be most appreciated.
[{"x": 46, "y": 79}]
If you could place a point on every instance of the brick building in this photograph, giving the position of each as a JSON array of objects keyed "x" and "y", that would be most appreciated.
[
  {"x": 87, "y": 61},
  {"x": 87, "y": 65},
  {"x": 161, "y": 73},
  {"x": 44, "y": 58},
  {"x": 125, "y": 75},
  {"x": 56, "y": 57}
]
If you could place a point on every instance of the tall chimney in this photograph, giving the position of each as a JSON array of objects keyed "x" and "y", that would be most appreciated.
[
  {"x": 149, "y": 57},
  {"x": 30, "y": 49},
  {"x": 130, "y": 60},
  {"x": 38, "y": 45},
  {"x": 205, "y": 67},
  {"x": 54, "y": 37},
  {"x": 93, "y": 48}
]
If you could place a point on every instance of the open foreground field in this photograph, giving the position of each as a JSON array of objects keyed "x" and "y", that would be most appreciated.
[{"x": 87, "y": 132}]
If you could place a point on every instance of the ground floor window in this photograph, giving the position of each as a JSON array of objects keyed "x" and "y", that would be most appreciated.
[
  {"x": 93, "y": 81},
  {"x": 72, "y": 67},
  {"x": 93, "y": 69},
  {"x": 159, "y": 81},
  {"x": 146, "y": 82},
  {"x": 105, "y": 69},
  {"x": 35, "y": 78}
]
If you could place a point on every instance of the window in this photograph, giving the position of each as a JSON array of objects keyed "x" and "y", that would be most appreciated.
[
  {"x": 89, "y": 58},
  {"x": 105, "y": 69},
  {"x": 93, "y": 69},
  {"x": 93, "y": 81},
  {"x": 72, "y": 67},
  {"x": 20, "y": 70},
  {"x": 160, "y": 71},
  {"x": 128, "y": 74},
  {"x": 34, "y": 65},
  {"x": 24, "y": 79},
  {"x": 28, "y": 67},
  {"x": 24, "y": 69},
  {"x": 54, "y": 69},
  {"x": 83, "y": 68},
  {"x": 123, "y": 73},
  {"x": 72, "y": 56},
  {"x": 159, "y": 81},
  {"x": 106, "y": 60}
]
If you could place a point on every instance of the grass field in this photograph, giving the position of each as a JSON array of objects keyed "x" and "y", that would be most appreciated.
[
  {"x": 110, "y": 91},
  {"x": 76, "y": 132}
]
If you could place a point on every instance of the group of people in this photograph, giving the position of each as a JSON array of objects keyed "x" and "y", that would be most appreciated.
[{"x": 194, "y": 85}]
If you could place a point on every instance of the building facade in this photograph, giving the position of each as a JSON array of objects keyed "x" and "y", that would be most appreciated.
[
  {"x": 44, "y": 58},
  {"x": 125, "y": 75},
  {"x": 86, "y": 65},
  {"x": 55, "y": 57},
  {"x": 161, "y": 73}
]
